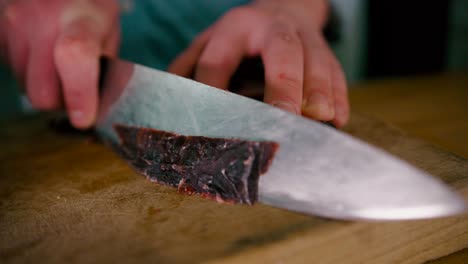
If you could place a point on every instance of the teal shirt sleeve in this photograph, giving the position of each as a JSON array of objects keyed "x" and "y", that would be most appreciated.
[{"x": 154, "y": 32}]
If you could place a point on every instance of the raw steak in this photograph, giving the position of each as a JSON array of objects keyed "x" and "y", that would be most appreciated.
[{"x": 226, "y": 170}]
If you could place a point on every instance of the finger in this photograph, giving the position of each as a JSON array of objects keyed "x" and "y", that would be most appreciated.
[
  {"x": 284, "y": 68},
  {"x": 41, "y": 81},
  {"x": 185, "y": 63},
  {"x": 77, "y": 52},
  {"x": 42, "y": 84},
  {"x": 340, "y": 93},
  {"x": 221, "y": 57},
  {"x": 111, "y": 45},
  {"x": 16, "y": 42},
  {"x": 318, "y": 94}
]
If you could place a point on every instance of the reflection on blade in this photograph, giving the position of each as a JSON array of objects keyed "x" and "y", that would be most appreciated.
[{"x": 317, "y": 170}]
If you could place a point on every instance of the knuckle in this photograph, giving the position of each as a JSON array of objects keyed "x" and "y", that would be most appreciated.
[
  {"x": 241, "y": 13},
  {"x": 286, "y": 36},
  {"x": 77, "y": 45},
  {"x": 99, "y": 14},
  {"x": 284, "y": 29},
  {"x": 318, "y": 84},
  {"x": 289, "y": 81}
]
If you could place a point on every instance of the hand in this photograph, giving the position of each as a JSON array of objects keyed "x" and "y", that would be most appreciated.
[
  {"x": 301, "y": 73},
  {"x": 53, "y": 47}
]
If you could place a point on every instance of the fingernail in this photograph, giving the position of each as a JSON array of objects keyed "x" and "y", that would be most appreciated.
[
  {"x": 286, "y": 106},
  {"x": 76, "y": 115},
  {"x": 317, "y": 106},
  {"x": 79, "y": 119}
]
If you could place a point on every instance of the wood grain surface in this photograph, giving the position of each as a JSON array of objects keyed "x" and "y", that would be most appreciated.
[
  {"x": 64, "y": 197},
  {"x": 431, "y": 107}
]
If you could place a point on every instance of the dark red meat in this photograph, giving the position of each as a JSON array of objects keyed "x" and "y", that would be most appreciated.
[{"x": 226, "y": 170}]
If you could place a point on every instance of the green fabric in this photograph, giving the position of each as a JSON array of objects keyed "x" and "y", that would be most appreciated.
[
  {"x": 155, "y": 31},
  {"x": 10, "y": 99}
]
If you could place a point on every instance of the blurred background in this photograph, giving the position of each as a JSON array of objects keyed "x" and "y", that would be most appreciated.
[
  {"x": 382, "y": 39},
  {"x": 372, "y": 39}
]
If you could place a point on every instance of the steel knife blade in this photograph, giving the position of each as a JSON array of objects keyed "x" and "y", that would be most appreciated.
[{"x": 317, "y": 170}]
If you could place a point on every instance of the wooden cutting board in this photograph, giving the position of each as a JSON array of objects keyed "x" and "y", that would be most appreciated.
[{"x": 64, "y": 197}]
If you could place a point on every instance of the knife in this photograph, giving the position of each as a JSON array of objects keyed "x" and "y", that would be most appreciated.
[{"x": 317, "y": 170}]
